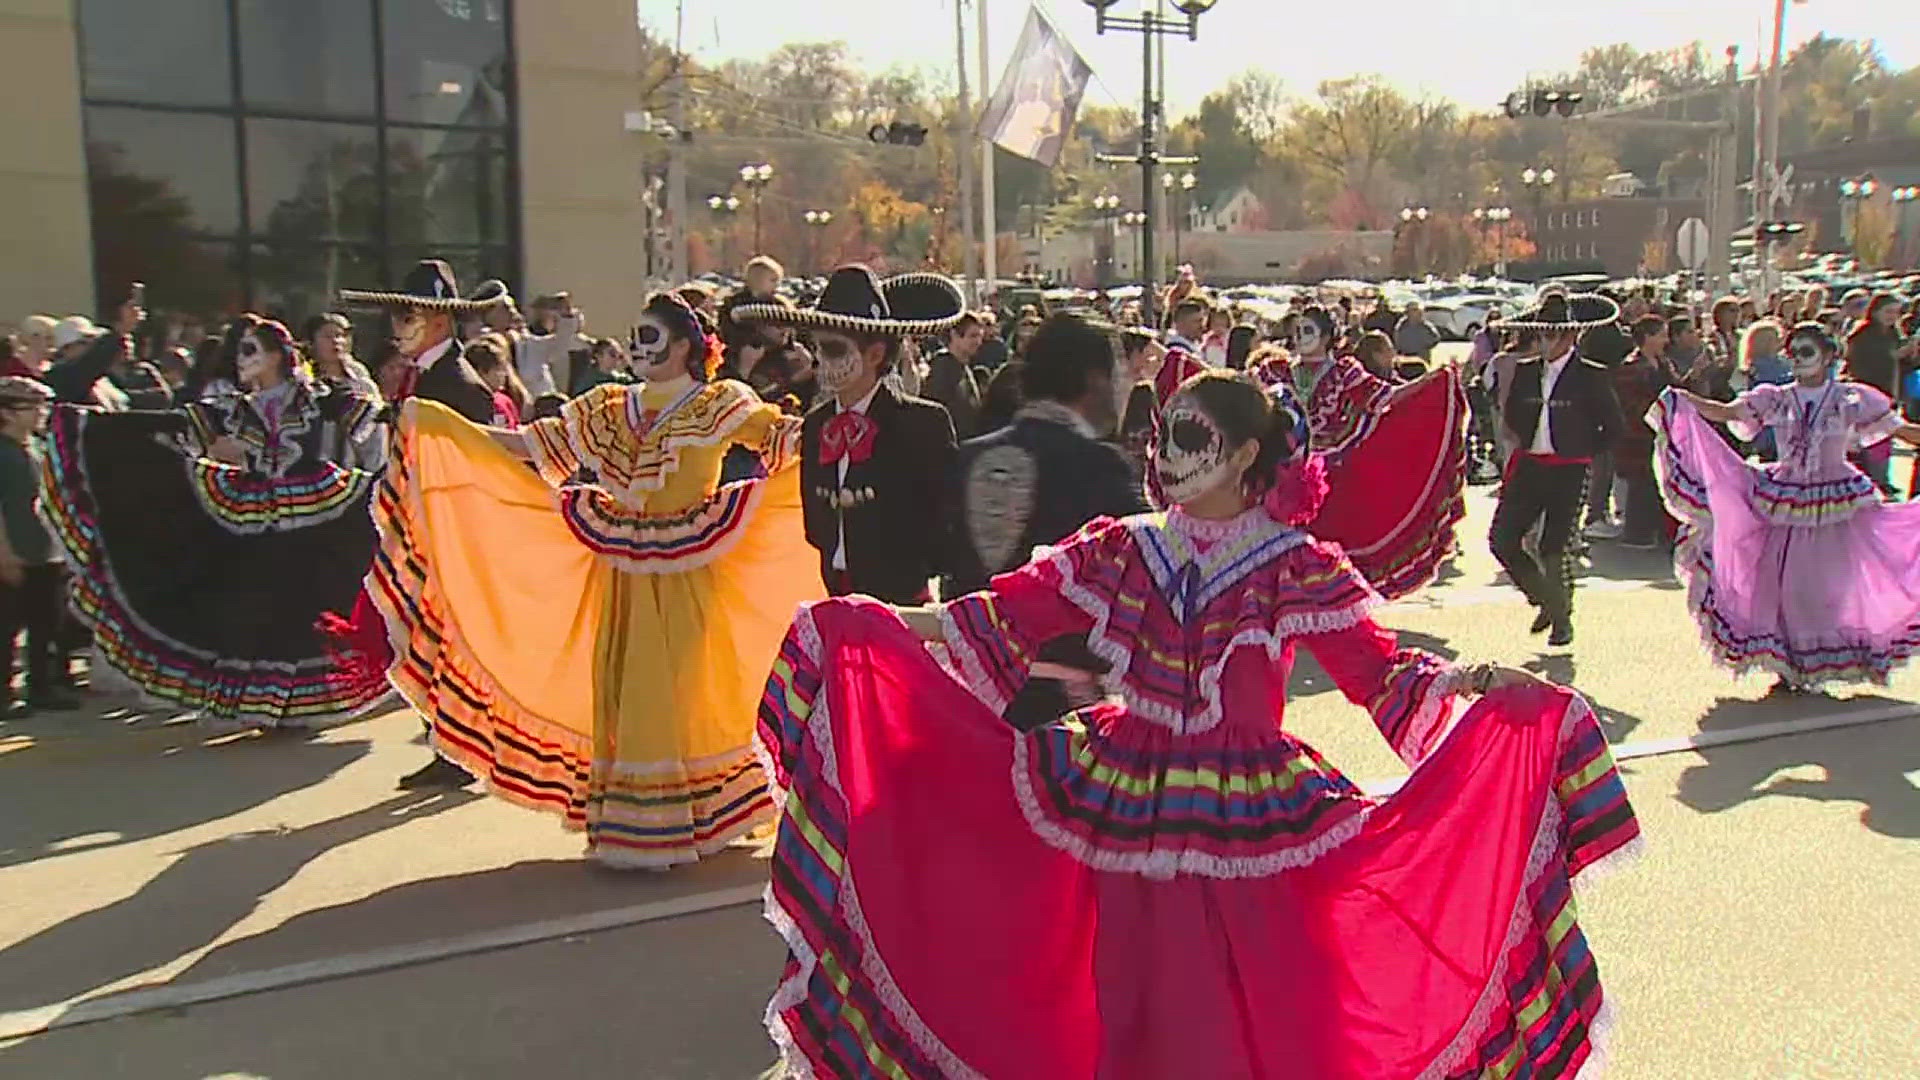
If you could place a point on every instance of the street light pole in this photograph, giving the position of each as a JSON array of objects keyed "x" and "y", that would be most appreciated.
[
  {"x": 817, "y": 221},
  {"x": 756, "y": 177},
  {"x": 1149, "y": 24}
]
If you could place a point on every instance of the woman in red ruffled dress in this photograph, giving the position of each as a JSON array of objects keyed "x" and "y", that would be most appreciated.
[
  {"x": 1396, "y": 457},
  {"x": 1169, "y": 884}
]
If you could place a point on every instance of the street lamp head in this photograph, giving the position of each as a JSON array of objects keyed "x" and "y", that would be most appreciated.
[
  {"x": 1479, "y": 214},
  {"x": 1406, "y": 213},
  {"x": 1849, "y": 188},
  {"x": 1101, "y": 5},
  {"x": 1193, "y": 7},
  {"x": 1547, "y": 176},
  {"x": 715, "y": 202},
  {"x": 1868, "y": 187},
  {"x": 1529, "y": 177},
  {"x": 1188, "y": 181},
  {"x": 1421, "y": 213},
  {"x": 733, "y": 202}
]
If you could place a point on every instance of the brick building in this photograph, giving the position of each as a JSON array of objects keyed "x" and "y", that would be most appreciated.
[{"x": 1620, "y": 237}]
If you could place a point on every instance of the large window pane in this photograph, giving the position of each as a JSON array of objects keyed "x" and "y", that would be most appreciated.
[
  {"x": 168, "y": 54},
  {"x": 470, "y": 265},
  {"x": 161, "y": 175},
  {"x": 301, "y": 56},
  {"x": 311, "y": 182},
  {"x": 198, "y": 278},
  {"x": 447, "y": 187},
  {"x": 295, "y": 282},
  {"x": 446, "y": 61}
]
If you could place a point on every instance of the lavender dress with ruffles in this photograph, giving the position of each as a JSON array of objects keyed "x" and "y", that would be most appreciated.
[{"x": 1795, "y": 566}]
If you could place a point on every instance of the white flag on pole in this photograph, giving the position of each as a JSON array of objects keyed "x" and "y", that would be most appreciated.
[{"x": 1033, "y": 107}]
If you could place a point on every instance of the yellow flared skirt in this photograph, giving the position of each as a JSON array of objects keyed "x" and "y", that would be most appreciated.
[{"x": 607, "y": 668}]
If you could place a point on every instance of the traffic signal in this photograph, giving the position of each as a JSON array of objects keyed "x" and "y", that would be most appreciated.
[
  {"x": 898, "y": 134},
  {"x": 1542, "y": 103}
]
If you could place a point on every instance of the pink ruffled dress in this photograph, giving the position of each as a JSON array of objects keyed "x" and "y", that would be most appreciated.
[
  {"x": 1170, "y": 884},
  {"x": 1795, "y": 566}
]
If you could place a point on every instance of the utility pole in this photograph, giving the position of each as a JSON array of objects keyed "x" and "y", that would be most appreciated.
[
  {"x": 988, "y": 230},
  {"x": 1149, "y": 155},
  {"x": 1766, "y": 171},
  {"x": 679, "y": 266},
  {"x": 963, "y": 153}
]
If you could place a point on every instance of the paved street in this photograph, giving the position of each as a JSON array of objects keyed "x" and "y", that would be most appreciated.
[{"x": 1766, "y": 934}]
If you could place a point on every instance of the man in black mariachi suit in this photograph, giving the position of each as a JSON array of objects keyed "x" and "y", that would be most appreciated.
[
  {"x": 1037, "y": 481},
  {"x": 1561, "y": 413},
  {"x": 874, "y": 460},
  {"x": 425, "y": 311}
]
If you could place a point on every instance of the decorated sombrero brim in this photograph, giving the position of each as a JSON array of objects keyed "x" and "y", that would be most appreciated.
[
  {"x": 1564, "y": 311},
  {"x": 428, "y": 285},
  {"x": 856, "y": 301}
]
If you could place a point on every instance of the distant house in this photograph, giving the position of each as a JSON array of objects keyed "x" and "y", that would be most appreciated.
[
  {"x": 1237, "y": 210},
  {"x": 1622, "y": 185}
]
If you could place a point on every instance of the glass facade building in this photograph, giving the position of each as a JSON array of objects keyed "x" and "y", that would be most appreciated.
[{"x": 264, "y": 154}]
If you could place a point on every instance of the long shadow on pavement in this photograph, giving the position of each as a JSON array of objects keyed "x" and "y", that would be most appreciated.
[
  {"x": 192, "y": 902},
  {"x": 1309, "y": 678},
  {"x": 1868, "y": 765},
  {"x": 459, "y": 904},
  {"x": 92, "y": 790}
]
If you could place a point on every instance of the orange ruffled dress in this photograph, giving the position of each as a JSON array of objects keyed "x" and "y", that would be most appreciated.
[{"x": 597, "y": 649}]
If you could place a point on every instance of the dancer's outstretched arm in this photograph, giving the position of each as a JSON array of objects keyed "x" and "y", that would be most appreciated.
[
  {"x": 513, "y": 442},
  {"x": 1716, "y": 411},
  {"x": 924, "y": 621}
]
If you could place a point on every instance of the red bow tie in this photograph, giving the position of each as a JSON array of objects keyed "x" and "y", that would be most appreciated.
[{"x": 848, "y": 435}]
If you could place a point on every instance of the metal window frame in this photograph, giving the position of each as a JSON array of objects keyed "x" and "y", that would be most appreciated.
[{"x": 510, "y": 236}]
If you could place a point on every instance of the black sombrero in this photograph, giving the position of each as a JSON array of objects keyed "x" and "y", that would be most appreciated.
[
  {"x": 857, "y": 302},
  {"x": 428, "y": 285},
  {"x": 1561, "y": 311}
]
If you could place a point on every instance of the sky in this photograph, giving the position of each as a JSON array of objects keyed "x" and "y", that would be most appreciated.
[{"x": 1472, "y": 51}]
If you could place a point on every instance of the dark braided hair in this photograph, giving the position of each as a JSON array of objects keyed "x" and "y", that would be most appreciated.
[{"x": 685, "y": 323}]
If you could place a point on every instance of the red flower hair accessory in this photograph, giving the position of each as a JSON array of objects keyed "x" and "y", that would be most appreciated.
[{"x": 1299, "y": 488}]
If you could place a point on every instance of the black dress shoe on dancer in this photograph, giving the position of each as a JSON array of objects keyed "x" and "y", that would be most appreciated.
[
  {"x": 438, "y": 773},
  {"x": 1562, "y": 633},
  {"x": 1540, "y": 623}
]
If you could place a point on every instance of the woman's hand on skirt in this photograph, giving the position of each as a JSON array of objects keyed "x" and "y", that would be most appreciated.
[{"x": 1504, "y": 678}]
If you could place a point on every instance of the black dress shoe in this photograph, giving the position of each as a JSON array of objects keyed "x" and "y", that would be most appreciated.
[
  {"x": 438, "y": 773},
  {"x": 1540, "y": 623},
  {"x": 1562, "y": 633}
]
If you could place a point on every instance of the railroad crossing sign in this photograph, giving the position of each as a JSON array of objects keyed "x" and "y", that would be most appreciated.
[{"x": 1691, "y": 244}]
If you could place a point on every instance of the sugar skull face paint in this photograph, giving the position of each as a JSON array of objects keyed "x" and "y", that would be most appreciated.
[
  {"x": 1307, "y": 339},
  {"x": 648, "y": 348},
  {"x": 1809, "y": 358},
  {"x": 1192, "y": 457},
  {"x": 839, "y": 361}
]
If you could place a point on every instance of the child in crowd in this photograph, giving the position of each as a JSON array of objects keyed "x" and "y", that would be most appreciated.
[{"x": 31, "y": 573}]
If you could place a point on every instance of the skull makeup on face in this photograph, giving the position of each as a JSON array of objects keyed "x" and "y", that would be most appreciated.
[
  {"x": 1306, "y": 338},
  {"x": 839, "y": 361},
  {"x": 1192, "y": 458},
  {"x": 1808, "y": 355},
  {"x": 647, "y": 348}
]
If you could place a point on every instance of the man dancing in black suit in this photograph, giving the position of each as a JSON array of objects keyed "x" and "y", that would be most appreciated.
[
  {"x": 1560, "y": 414},
  {"x": 874, "y": 461},
  {"x": 425, "y": 310}
]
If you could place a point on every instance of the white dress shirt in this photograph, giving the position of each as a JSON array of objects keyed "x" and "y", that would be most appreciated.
[
  {"x": 1543, "y": 429},
  {"x": 840, "y": 549},
  {"x": 427, "y": 359}
]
